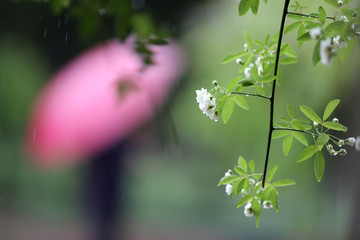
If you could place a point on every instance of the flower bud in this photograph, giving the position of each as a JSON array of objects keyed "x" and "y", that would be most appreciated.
[
  {"x": 342, "y": 152},
  {"x": 335, "y": 120}
]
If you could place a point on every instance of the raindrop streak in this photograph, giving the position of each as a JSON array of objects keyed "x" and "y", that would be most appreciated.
[
  {"x": 59, "y": 23},
  {"x": 45, "y": 32},
  {"x": 40, "y": 17},
  {"x": 66, "y": 37},
  {"x": 34, "y": 135}
]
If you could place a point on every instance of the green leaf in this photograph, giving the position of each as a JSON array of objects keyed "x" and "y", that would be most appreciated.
[
  {"x": 233, "y": 83},
  {"x": 247, "y": 62},
  {"x": 347, "y": 12},
  {"x": 310, "y": 113},
  {"x": 240, "y": 171},
  {"x": 330, "y": 107},
  {"x": 319, "y": 165},
  {"x": 234, "y": 56},
  {"x": 220, "y": 102},
  {"x": 228, "y": 179},
  {"x": 240, "y": 186},
  {"x": 272, "y": 173},
  {"x": 227, "y": 111},
  {"x": 248, "y": 41},
  {"x": 288, "y": 60},
  {"x": 335, "y": 126},
  {"x": 300, "y": 32},
  {"x": 241, "y": 102},
  {"x": 244, "y": 200},
  {"x": 292, "y": 27},
  {"x": 316, "y": 54},
  {"x": 347, "y": 49},
  {"x": 274, "y": 199},
  {"x": 307, "y": 153},
  {"x": 242, "y": 163},
  {"x": 252, "y": 166},
  {"x": 322, "y": 15},
  {"x": 244, "y": 6},
  {"x": 304, "y": 37},
  {"x": 267, "y": 79},
  {"x": 297, "y": 125},
  {"x": 335, "y": 27},
  {"x": 256, "y": 207},
  {"x": 280, "y": 134},
  {"x": 322, "y": 139},
  {"x": 287, "y": 143},
  {"x": 254, "y": 6},
  {"x": 259, "y": 43},
  {"x": 289, "y": 51},
  {"x": 300, "y": 137},
  {"x": 246, "y": 184},
  {"x": 284, "y": 183},
  {"x": 333, "y": 3}
]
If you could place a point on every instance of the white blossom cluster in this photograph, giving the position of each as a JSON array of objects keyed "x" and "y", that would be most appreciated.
[
  {"x": 351, "y": 141},
  {"x": 207, "y": 103},
  {"x": 248, "y": 211}
]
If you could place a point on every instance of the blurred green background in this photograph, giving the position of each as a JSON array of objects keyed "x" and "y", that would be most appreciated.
[{"x": 170, "y": 192}]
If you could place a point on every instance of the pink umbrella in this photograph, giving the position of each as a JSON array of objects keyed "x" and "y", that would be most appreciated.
[{"x": 100, "y": 97}]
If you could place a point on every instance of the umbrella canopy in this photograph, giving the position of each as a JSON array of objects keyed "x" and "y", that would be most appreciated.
[{"x": 100, "y": 97}]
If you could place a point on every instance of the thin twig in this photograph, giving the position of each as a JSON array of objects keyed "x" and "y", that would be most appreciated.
[
  {"x": 250, "y": 94},
  {"x": 307, "y": 15},
  {"x": 295, "y": 130},
  {"x": 271, "y": 125}
]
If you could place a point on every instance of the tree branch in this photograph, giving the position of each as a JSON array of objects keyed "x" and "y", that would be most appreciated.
[{"x": 271, "y": 125}]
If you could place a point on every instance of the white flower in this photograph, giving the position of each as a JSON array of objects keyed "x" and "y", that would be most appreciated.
[
  {"x": 344, "y": 18},
  {"x": 335, "y": 120},
  {"x": 259, "y": 65},
  {"x": 228, "y": 189},
  {"x": 248, "y": 211},
  {"x": 239, "y": 61},
  {"x": 246, "y": 47},
  {"x": 228, "y": 173},
  {"x": 350, "y": 141},
  {"x": 325, "y": 51},
  {"x": 267, "y": 205},
  {"x": 357, "y": 144},
  {"x": 340, "y": 2},
  {"x": 341, "y": 143},
  {"x": 251, "y": 181},
  {"x": 336, "y": 40},
  {"x": 315, "y": 33},
  {"x": 207, "y": 103},
  {"x": 248, "y": 70},
  {"x": 315, "y": 124}
]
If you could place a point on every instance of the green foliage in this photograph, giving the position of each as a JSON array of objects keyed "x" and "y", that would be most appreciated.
[
  {"x": 256, "y": 77},
  {"x": 247, "y": 186}
]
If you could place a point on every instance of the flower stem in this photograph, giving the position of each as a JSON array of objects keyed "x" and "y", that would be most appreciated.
[
  {"x": 307, "y": 15},
  {"x": 250, "y": 94},
  {"x": 271, "y": 125}
]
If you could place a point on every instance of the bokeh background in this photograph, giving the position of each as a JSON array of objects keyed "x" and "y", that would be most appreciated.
[{"x": 167, "y": 178}]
